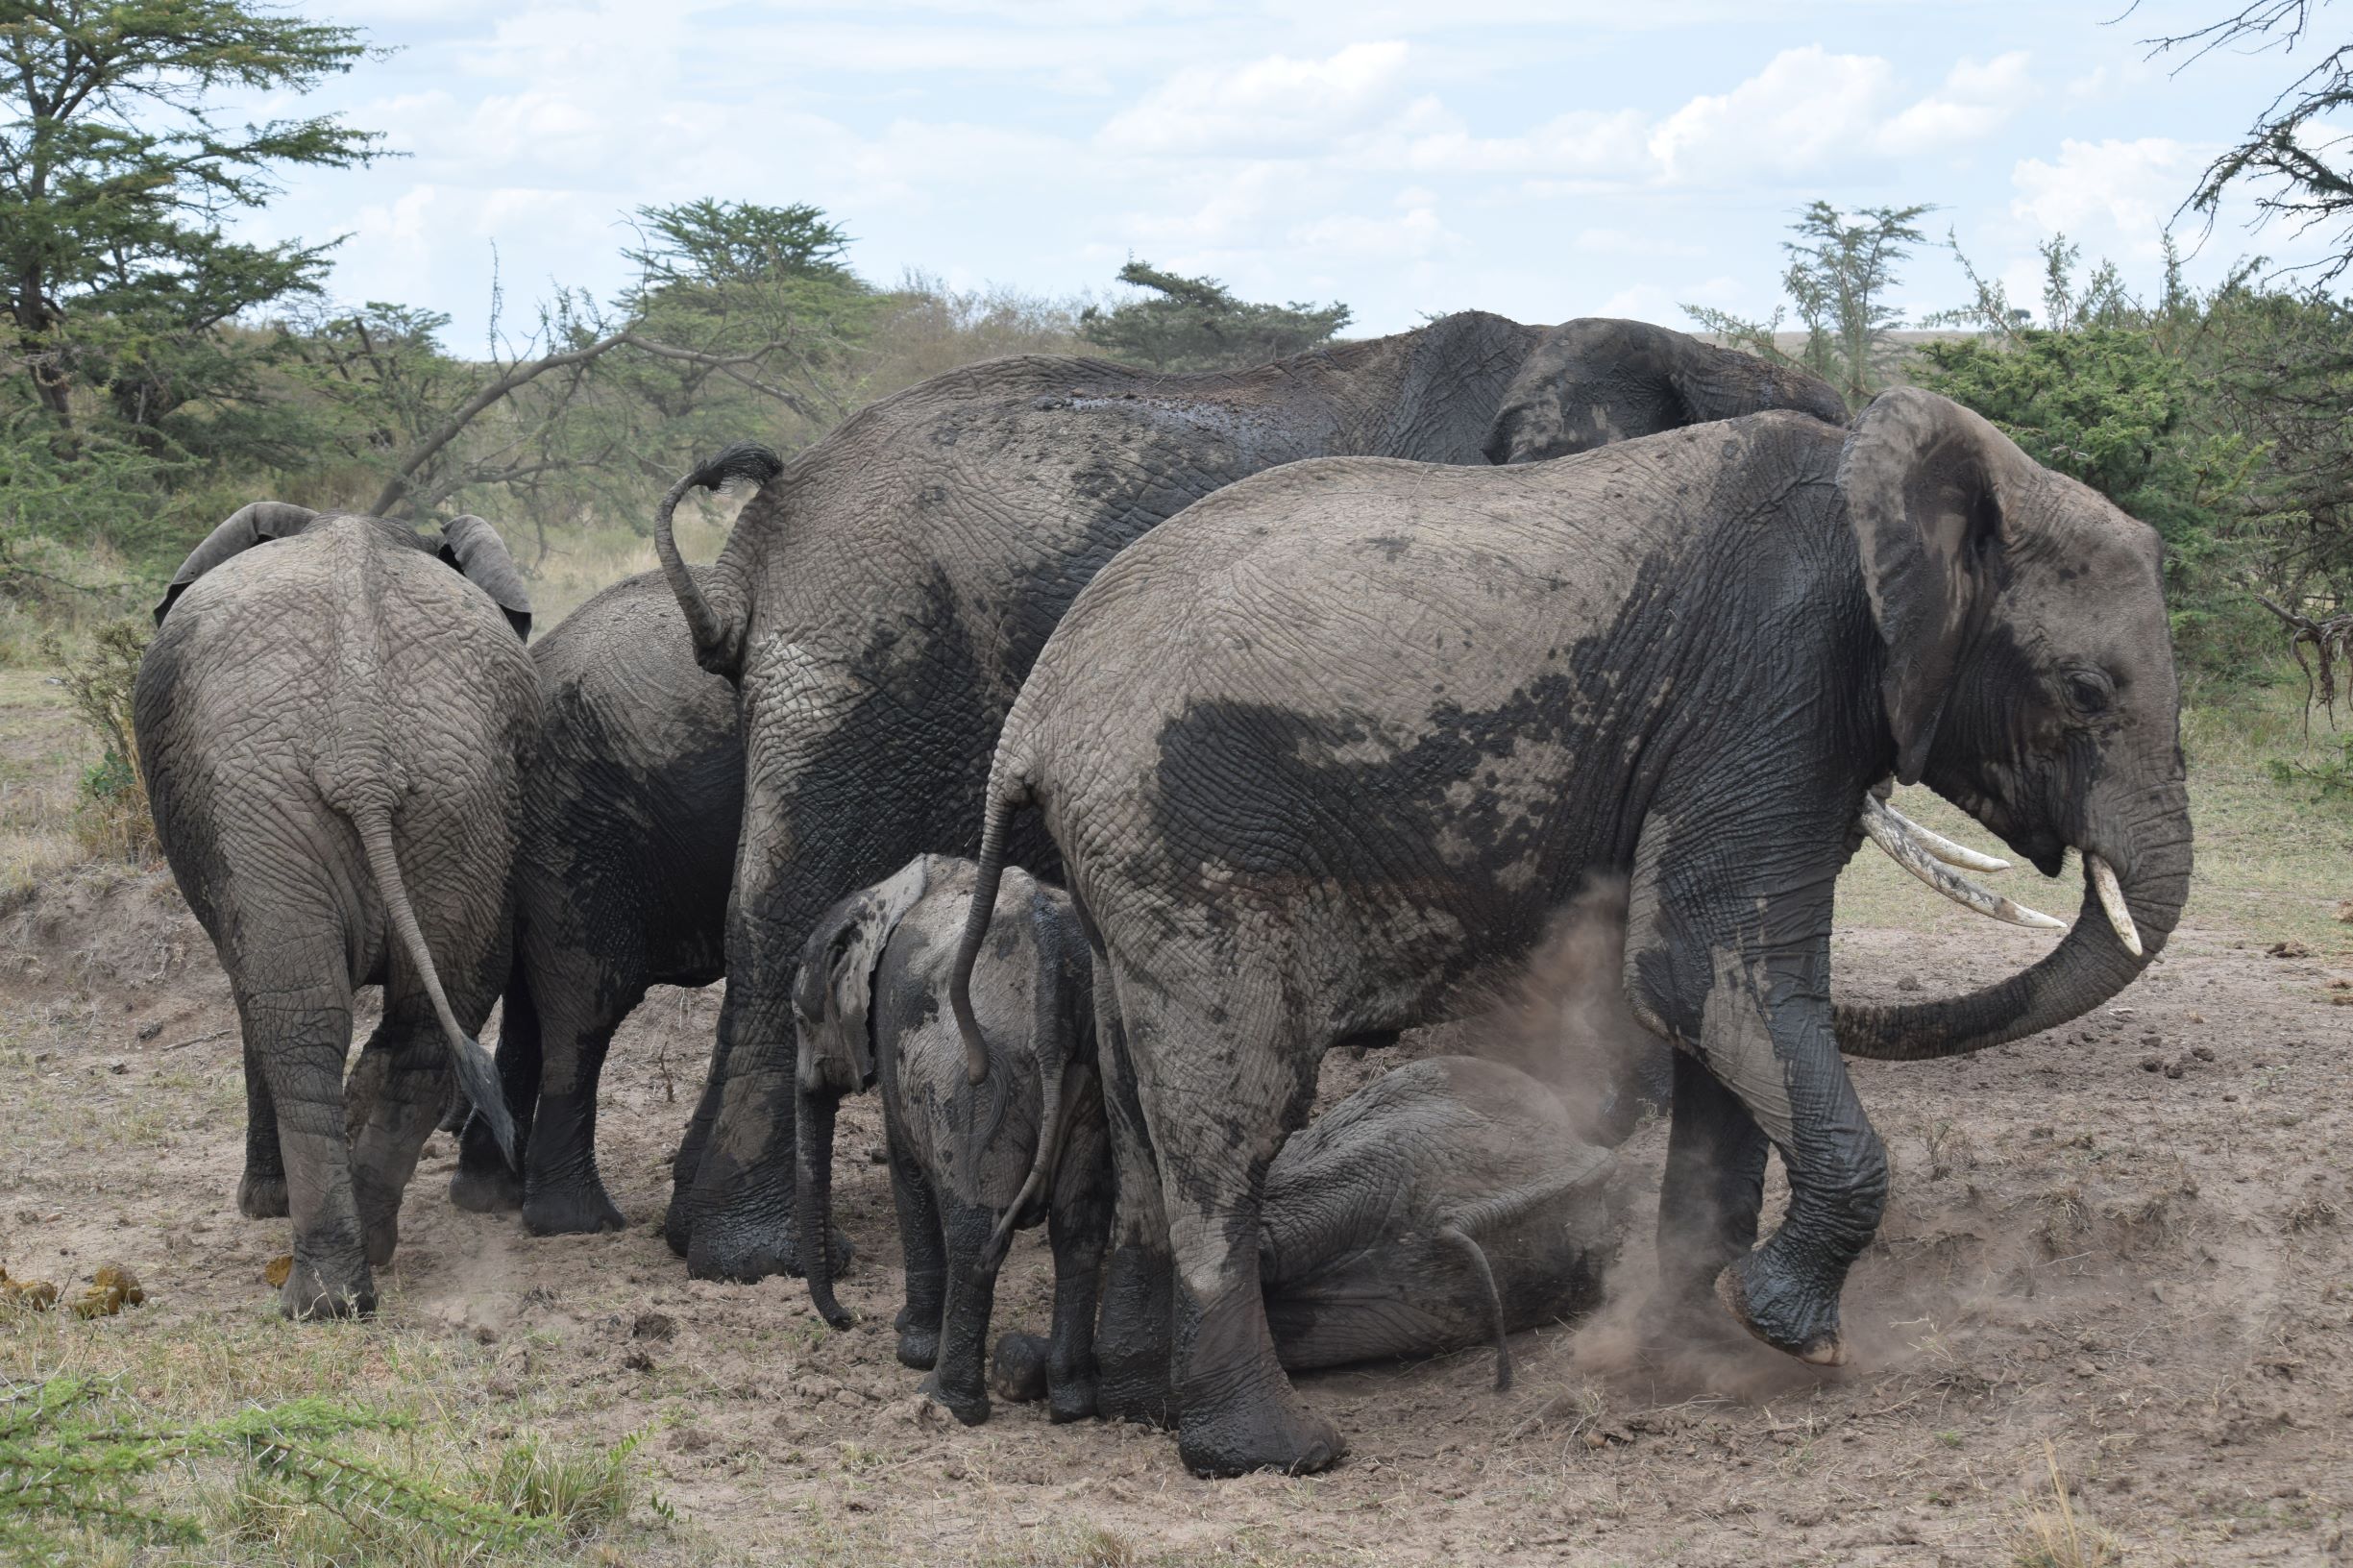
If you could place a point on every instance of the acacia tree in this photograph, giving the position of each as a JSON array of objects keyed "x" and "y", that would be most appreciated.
[
  {"x": 1197, "y": 324},
  {"x": 117, "y": 173},
  {"x": 1840, "y": 271}
]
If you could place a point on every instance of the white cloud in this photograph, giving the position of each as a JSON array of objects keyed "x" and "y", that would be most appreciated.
[
  {"x": 2109, "y": 195},
  {"x": 1974, "y": 100},
  {"x": 1271, "y": 105},
  {"x": 1804, "y": 107}
]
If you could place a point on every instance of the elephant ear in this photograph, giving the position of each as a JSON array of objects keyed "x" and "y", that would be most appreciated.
[
  {"x": 1932, "y": 492},
  {"x": 833, "y": 996},
  {"x": 254, "y": 523},
  {"x": 474, "y": 546}
]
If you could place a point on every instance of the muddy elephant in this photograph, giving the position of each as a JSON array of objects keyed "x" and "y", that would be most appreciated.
[
  {"x": 334, "y": 726},
  {"x": 880, "y": 602},
  {"x": 1322, "y": 755},
  {"x": 629, "y": 819},
  {"x": 967, "y": 1166},
  {"x": 1446, "y": 1204}
]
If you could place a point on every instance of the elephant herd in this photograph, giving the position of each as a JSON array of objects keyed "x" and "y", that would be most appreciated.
[{"x": 1073, "y": 754}]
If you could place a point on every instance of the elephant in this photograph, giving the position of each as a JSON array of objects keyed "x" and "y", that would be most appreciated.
[
  {"x": 880, "y": 602},
  {"x": 1321, "y": 754},
  {"x": 967, "y": 1166},
  {"x": 1448, "y": 1202},
  {"x": 334, "y": 726},
  {"x": 630, "y": 818}
]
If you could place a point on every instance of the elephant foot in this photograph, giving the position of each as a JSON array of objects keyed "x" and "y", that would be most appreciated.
[
  {"x": 743, "y": 1256},
  {"x": 1257, "y": 1431},
  {"x": 1132, "y": 1345},
  {"x": 383, "y": 1239},
  {"x": 918, "y": 1348},
  {"x": 1018, "y": 1370},
  {"x": 678, "y": 1220},
  {"x": 263, "y": 1196},
  {"x": 571, "y": 1210},
  {"x": 308, "y": 1295},
  {"x": 1073, "y": 1399},
  {"x": 970, "y": 1406},
  {"x": 1780, "y": 1307},
  {"x": 486, "y": 1191}
]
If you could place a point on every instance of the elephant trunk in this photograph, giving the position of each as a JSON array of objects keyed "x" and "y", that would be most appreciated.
[
  {"x": 813, "y": 1206},
  {"x": 717, "y": 640},
  {"x": 2090, "y": 965}
]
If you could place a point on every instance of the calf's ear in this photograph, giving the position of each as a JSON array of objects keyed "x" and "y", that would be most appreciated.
[
  {"x": 1932, "y": 493},
  {"x": 833, "y": 996},
  {"x": 257, "y": 523},
  {"x": 474, "y": 546}
]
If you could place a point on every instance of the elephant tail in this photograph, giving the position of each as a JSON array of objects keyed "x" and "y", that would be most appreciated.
[
  {"x": 1476, "y": 1257},
  {"x": 715, "y": 643},
  {"x": 1006, "y": 796},
  {"x": 477, "y": 1073}
]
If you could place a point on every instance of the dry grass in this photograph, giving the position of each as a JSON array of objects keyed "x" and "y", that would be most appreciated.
[{"x": 2052, "y": 1534}]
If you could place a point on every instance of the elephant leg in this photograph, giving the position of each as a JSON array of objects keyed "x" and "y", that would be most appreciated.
[
  {"x": 678, "y": 1220},
  {"x": 1219, "y": 1097},
  {"x": 410, "y": 1060},
  {"x": 299, "y": 1035},
  {"x": 485, "y": 1183},
  {"x": 960, "y": 1381},
  {"x": 1077, "y": 1225},
  {"x": 564, "y": 1192},
  {"x": 1710, "y": 1199},
  {"x": 1132, "y": 1344},
  {"x": 261, "y": 1191},
  {"x": 924, "y": 1250}
]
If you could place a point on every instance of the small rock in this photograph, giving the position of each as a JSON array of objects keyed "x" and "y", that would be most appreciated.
[
  {"x": 849, "y": 1399},
  {"x": 118, "y": 1067},
  {"x": 953, "y": 1469},
  {"x": 149, "y": 1031},
  {"x": 485, "y": 1334},
  {"x": 2176, "y": 1067},
  {"x": 2204, "y": 1053},
  {"x": 2291, "y": 948},
  {"x": 1909, "y": 982},
  {"x": 2153, "y": 1063},
  {"x": 636, "y": 1360},
  {"x": 691, "y": 1440},
  {"x": 877, "y": 1155},
  {"x": 655, "y": 1325},
  {"x": 2085, "y": 1369}
]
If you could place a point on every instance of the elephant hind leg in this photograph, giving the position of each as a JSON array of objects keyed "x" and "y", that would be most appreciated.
[
  {"x": 1134, "y": 1364},
  {"x": 261, "y": 1191},
  {"x": 406, "y": 1064},
  {"x": 299, "y": 1037},
  {"x": 483, "y": 1182},
  {"x": 569, "y": 1011},
  {"x": 1217, "y": 1096}
]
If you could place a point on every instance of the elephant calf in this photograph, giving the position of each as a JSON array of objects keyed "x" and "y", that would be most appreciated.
[
  {"x": 334, "y": 726},
  {"x": 1447, "y": 1202},
  {"x": 964, "y": 1161}
]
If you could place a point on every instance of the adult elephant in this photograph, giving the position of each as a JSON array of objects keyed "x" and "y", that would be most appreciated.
[
  {"x": 630, "y": 818},
  {"x": 334, "y": 726},
  {"x": 880, "y": 602},
  {"x": 1322, "y": 755}
]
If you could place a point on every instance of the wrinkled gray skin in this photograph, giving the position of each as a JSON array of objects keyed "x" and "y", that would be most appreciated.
[
  {"x": 1443, "y": 1205},
  {"x": 1322, "y": 755},
  {"x": 870, "y": 1009},
  {"x": 334, "y": 726},
  {"x": 880, "y": 603},
  {"x": 629, "y": 819}
]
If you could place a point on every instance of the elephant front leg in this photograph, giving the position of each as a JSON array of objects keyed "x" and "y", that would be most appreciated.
[
  {"x": 563, "y": 1191},
  {"x": 960, "y": 1380},
  {"x": 1710, "y": 1199},
  {"x": 1133, "y": 1354},
  {"x": 261, "y": 1191},
  {"x": 1077, "y": 1225},
  {"x": 1764, "y": 1035}
]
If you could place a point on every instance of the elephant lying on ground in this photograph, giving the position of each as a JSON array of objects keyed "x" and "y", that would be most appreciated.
[
  {"x": 1445, "y": 1204},
  {"x": 868, "y": 1010},
  {"x": 1323, "y": 754},
  {"x": 334, "y": 726},
  {"x": 881, "y": 601}
]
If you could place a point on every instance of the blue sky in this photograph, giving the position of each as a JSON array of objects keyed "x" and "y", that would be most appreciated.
[{"x": 1543, "y": 158}]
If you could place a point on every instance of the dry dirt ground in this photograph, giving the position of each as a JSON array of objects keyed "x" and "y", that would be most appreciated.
[{"x": 2117, "y": 1273}]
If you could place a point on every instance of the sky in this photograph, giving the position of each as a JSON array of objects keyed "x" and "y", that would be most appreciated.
[{"x": 1540, "y": 158}]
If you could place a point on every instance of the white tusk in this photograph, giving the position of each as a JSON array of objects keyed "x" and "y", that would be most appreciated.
[
  {"x": 1940, "y": 847},
  {"x": 2111, "y": 900},
  {"x": 1915, "y": 859}
]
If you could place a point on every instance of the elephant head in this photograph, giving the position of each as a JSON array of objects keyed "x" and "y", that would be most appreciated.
[
  {"x": 1594, "y": 379},
  {"x": 2028, "y": 678},
  {"x": 833, "y": 1004},
  {"x": 468, "y": 543}
]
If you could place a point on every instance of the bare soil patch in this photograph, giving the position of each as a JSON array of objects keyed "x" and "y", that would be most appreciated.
[{"x": 2123, "y": 1249}]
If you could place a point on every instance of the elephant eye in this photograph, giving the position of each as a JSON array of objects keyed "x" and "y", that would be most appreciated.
[{"x": 2087, "y": 694}]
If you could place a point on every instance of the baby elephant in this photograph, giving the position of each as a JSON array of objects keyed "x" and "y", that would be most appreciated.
[
  {"x": 1445, "y": 1203},
  {"x": 966, "y": 1160}
]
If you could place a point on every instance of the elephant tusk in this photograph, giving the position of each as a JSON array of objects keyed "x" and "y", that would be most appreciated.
[
  {"x": 1939, "y": 846},
  {"x": 2111, "y": 900},
  {"x": 1886, "y": 829}
]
